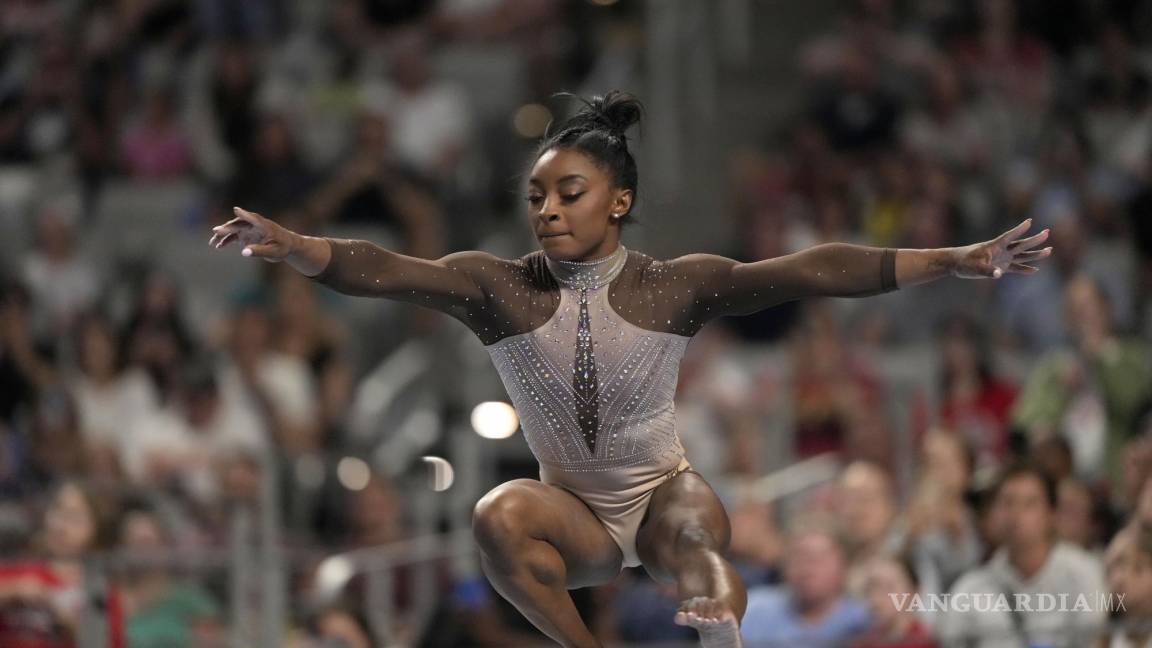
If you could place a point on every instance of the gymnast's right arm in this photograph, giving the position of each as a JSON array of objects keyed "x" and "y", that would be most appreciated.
[{"x": 359, "y": 267}]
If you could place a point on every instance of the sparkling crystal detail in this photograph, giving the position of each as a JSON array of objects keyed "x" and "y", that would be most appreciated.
[{"x": 584, "y": 382}]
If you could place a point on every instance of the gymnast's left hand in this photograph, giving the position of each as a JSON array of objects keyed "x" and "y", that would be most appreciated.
[
  {"x": 259, "y": 236},
  {"x": 1005, "y": 253}
]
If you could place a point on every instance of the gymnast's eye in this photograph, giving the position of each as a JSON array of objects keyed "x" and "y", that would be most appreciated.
[
  {"x": 533, "y": 199},
  {"x": 572, "y": 197}
]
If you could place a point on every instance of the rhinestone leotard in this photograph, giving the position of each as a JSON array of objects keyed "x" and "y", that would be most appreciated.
[{"x": 589, "y": 352}]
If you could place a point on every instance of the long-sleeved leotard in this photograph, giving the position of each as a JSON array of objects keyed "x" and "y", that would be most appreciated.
[{"x": 590, "y": 352}]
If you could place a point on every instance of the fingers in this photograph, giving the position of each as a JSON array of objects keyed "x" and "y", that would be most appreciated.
[
  {"x": 1022, "y": 268},
  {"x": 1030, "y": 242},
  {"x": 251, "y": 217},
  {"x": 1034, "y": 255},
  {"x": 221, "y": 239},
  {"x": 260, "y": 250},
  {"x": 234, "y": 226},
  {"x": 1018, "y": 230}
]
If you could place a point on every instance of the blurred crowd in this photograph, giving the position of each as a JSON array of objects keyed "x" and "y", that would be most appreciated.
[{"x": 143, "y": 405}]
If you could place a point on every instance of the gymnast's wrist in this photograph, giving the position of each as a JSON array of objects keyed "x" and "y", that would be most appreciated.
[
  {"x": 949, "y": 260},
  {"x": 310, "y": 255}
]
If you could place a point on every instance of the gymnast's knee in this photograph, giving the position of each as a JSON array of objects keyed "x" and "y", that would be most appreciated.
[
  {"x": 501, "y": 520},
  {"x": 694, "y": 538}
]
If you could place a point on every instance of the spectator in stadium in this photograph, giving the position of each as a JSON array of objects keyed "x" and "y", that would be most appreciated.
[
  {"x": 975, "y": 400},
  {"x": 62, "y": 282},
  {"x": 812, "y": 607},
  {"x": 942, "y": 536},
  {"x": 867, "y": 508},
  {"x": 1092, "y": 392},
  {"x": 1030, "y": 562},
  {"x": 42, "y": 599},
  {"x": 1128, "y": 563},
  {"x": 109, "y": 395},
  {"x": 888, "y": 586},
  {"x": 161, "y": 609}
]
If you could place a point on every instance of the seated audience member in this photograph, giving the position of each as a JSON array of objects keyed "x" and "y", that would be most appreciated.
[
  {"x": 162, "y": 610},
  {"x": 942, "y": 536},
  {"x": 43, "y": 599},
  {"x": 1128, "y": 563},
  {"x": 1030, "y": 563},
  {"x": 812, "y": 608},
  {"x": 1091, "y": 393},
  {"x": 868, "y": 508},
  {"x": 1079, "y": 516},
  {"x": 756, "y": 549},
  {"x": 889, "y": 584}
]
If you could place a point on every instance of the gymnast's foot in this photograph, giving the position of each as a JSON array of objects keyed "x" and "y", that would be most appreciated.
[{"x": 716, "y": 624}]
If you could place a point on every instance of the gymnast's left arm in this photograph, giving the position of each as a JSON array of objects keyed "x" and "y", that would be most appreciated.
[{"x": 727, "y": 287}]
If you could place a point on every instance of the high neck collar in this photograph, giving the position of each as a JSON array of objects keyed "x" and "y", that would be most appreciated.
[{"x": 588, "y": 274}]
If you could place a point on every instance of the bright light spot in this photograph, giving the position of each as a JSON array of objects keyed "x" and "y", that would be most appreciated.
[
  {"x": 353, "y": 473},
  {"x": 531, "y": 120},
  {"x": 442, "y": 475},
  {"x": 333, "y": 573},
  {"x": 495, "y": 420}
]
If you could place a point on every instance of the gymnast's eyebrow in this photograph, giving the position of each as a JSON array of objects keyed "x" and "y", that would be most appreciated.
[{"x": 570, "y": 176}]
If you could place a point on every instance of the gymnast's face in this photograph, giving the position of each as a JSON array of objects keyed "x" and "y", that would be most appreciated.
[{"x": 571, "y": 200}]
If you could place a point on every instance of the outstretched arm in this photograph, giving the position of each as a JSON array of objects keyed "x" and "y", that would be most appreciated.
[
  {"x": 727, "y": 287},
  {"x": 360, "y": 267}
]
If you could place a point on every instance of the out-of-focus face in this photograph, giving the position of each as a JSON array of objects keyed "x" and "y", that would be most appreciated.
[
  {"x": 946, "y": 462},
  {"x": 295, "y": 300},
  {"x": 239, "y": 477},
  {"x": 141, "y": 530},
  {"x": 1087, "y": 310},
  {"x": 1143, "y": 514},
  {"x": 56, "y": 235},
  {"x": 377, "y": 511},
  {"x": 1129, "y": 572},
  {"x": 69, "y": 524},
  {"x": 865, "y": 504},
  {"x": 160, "y": 296},
  {"x": 946, "y": 90},
  {"x": 339, "y": 625},
  {"x": 1024, "y": 512},
  {"x": 959, "y": 353},
  {"x": 250, "y": 332},
  {"x": 570, "y": 199},
  {"x": 98, "y": 355},
  {"x": 814, "y": 569},
  {"x": 884, "y": 577},
  {"x": 1074, "y": 514},
  {"x": 275, "y": 141}
]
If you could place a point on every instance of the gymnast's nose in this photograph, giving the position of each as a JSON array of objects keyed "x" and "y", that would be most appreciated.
[{"x": 547, "y": 214}]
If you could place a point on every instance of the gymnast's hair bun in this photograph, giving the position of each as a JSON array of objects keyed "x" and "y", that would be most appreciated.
[{"x": 614, "y": 112}]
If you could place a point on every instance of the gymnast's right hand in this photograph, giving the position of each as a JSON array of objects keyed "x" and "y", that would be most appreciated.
[{"x": 259, "y": 236}]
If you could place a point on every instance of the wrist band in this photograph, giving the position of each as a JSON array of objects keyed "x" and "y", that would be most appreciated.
[{"x": 888, "y": 270}]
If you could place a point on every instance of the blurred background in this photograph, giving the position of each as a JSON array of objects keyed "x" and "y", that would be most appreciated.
[{"x": 198, "y": 449}]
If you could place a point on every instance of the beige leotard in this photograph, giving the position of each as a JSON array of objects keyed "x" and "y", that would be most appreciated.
[{"x": 589, "y": 352}]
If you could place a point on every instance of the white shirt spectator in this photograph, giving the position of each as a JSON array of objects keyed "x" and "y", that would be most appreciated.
[
  {"x": 60, "y": 289},
  {"x": 1069, "y": 571},
  {"x": 288, "y": 382},
  {"x": 424, "y": 125},
  {"x": 108, "y": 412}
]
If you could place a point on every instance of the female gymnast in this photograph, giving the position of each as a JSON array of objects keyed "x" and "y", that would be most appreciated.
[{"x": 587, "y": 337}]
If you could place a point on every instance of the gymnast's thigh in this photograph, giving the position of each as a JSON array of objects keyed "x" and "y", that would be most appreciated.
[
  {"x": 524, "y": 510},
  {"x": 684, "y": 513}
]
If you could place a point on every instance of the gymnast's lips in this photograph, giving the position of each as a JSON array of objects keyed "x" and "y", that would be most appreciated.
[{"x": 544, "y": 236}]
